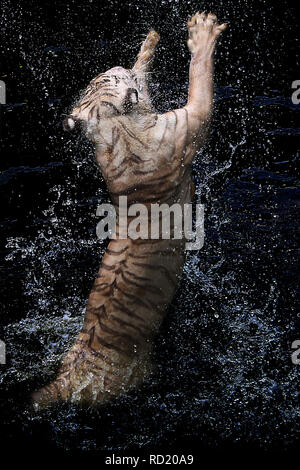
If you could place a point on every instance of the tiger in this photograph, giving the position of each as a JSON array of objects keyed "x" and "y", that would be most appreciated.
[{"x": 147, "y": 157}]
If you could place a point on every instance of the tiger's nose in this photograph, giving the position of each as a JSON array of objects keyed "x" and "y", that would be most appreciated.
[{"x": 69, "y": 123}]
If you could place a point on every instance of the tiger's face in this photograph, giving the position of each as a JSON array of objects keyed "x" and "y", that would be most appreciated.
[{"x": 116, "y": 92}]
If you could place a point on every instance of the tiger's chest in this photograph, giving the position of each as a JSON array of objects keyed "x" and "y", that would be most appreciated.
[{"x": 139, "y": 160}]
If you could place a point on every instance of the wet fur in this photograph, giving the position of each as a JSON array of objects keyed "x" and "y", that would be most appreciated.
[{"x": 147, "y": 157}]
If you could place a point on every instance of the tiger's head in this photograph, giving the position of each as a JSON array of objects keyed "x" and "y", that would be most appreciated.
[{"x": 116, "y": 92}]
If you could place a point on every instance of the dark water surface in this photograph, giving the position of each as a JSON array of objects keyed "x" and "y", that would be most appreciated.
[{"x": 224, "y": 375}]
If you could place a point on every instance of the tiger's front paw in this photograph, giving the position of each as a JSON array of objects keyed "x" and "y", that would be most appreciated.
[{"x": 203, "y": 33}]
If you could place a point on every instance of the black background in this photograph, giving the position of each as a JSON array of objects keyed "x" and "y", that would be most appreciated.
[{"x": 49, "y": 52}]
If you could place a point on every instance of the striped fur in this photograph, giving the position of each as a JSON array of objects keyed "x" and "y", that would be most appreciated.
[{"x": 147, "y": 157}]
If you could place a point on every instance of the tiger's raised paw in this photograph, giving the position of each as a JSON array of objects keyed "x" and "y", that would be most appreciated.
[{"x": 203, "y": 33}]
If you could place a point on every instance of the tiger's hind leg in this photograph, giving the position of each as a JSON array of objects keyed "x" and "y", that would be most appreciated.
[{"x": 89, "y": 376}]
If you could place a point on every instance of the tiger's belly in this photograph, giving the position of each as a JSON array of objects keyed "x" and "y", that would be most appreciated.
[{"x": 136, "y": 282}]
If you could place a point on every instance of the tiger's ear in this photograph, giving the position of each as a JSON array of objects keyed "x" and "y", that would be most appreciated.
[
  {"x": 131, "y": 99},
  {"x": 146, "y": 53}
]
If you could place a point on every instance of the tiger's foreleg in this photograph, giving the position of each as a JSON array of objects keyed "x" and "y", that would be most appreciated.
[
  {"x": 146, "y": 54},
  {"x": 204, "y": 31}
]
